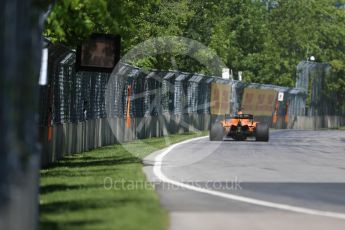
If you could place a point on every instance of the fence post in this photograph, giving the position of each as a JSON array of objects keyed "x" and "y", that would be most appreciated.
[{"x": 19, "y": 155}]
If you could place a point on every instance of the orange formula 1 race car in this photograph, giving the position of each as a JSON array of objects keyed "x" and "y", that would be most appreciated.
[{"x": 239, "y": 127}]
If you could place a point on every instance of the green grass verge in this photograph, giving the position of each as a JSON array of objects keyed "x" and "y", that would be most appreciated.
[{"x": 76, "y": 192}]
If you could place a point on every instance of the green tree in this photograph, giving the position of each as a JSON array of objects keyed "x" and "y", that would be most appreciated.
[
  {"x": 264, "y": 39},
  {"x": 239, "y": 35},
  {"x": 298, "y": 30},
  {"x": 166, "y": 18},
  {"x": 72, "y": 21}
]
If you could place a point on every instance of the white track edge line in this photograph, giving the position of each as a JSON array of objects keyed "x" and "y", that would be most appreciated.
[{"x": 159, "y": 174}]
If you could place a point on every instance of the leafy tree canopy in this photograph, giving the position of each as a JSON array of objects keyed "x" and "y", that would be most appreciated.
[{"x": 264, "y": 39}]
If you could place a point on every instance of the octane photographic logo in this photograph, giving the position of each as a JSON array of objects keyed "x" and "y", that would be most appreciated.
[
  {"x": 130, "y": 185},
  {"x": 120, "y": 95}
]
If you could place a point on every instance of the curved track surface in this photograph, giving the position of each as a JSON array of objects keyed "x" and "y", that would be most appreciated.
[{"x": 302, "y": 169}]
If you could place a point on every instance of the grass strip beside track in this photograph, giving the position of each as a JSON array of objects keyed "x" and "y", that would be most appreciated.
[{"x": 104, "y": 189}]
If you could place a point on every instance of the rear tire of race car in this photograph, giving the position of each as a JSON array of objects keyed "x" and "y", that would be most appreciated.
[
  {"x": 216, "y": 132},
  {"x": 262, "y": 132}
]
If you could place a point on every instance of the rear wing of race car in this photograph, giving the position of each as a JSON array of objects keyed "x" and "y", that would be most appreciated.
[{"x": 239, "y": 116}]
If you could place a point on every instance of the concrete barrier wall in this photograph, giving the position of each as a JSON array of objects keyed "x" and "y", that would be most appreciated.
[
  {"x": 84, "y": 136},
  {"x": 305, "y": 122},
  {"x": 316, "y": 122}
]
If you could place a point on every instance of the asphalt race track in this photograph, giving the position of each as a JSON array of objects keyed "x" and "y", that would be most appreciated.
[{"x": 295, "y": 181}]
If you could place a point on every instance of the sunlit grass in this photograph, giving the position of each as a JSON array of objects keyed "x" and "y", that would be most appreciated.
[{"x": 77, "y": 192}]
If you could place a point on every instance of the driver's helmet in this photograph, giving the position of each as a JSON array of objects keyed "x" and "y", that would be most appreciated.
[{"x": 239, "y": 112}]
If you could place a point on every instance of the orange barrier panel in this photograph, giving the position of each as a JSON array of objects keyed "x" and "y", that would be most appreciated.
[
  {"x": 287, "y": 113},
  {"x": 128, "y": 116},
  {"x": 220, "y": 99},
  {"x": 275, "y": 114},
  {"x": 259, "y": 102}
]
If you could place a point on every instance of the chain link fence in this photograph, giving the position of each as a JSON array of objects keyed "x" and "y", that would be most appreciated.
[
  {"x": 315, "y": 78},
  {"x": 76, "y": 116},
  {"x": 323, "y": 106},
  {"x": 85, "y": 110}
]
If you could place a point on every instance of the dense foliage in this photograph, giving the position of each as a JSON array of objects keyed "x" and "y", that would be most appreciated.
[{"x": 264, "y": 39}]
